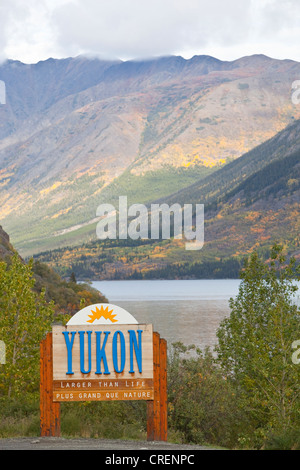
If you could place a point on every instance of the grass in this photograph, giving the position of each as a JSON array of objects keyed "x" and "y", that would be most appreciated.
[
  {"x": 287, "y": 440},
  {"x": 86, "y": 420},
  {"x": 19, "y": 419},
  {"x": 116, "y": 420}
]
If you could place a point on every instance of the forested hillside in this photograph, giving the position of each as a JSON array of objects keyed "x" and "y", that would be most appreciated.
[
  {"x": 249, "y": 204},
  {"x": 67, "y": 295}
]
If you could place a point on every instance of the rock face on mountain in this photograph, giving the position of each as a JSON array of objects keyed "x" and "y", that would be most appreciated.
[
  {"x": 75, "y": 131},
  {"x": 6, "y": 249}
]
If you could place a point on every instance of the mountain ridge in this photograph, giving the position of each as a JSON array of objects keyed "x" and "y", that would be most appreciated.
[{"x": 75, "y": 130}]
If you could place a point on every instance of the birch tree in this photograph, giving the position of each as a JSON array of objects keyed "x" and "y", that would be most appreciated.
[
  {"x": 25, "y": 317},
  {"x": 255, "y": 342}
]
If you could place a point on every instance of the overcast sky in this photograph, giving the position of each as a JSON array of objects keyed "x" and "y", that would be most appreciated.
[{"x": 33, "y": 30}]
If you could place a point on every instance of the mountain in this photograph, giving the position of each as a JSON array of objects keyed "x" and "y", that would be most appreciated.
[
  {"x": 78, "y": 132},
  {"x": 212, "y": 189},
  {"x": 6, "y": 249},
  {"x": 250, "y": 204}
]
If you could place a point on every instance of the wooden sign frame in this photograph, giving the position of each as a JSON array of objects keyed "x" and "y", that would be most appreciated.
[{"x": 157, "y": 414}]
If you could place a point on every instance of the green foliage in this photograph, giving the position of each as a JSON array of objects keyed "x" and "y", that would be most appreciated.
[
  {"x": 91, "y": 259},
  {"x": 245, "y": 397},
  {"x": 254, "y": 344},
  {"x": 107, "y": 420},
  {"x": 281, "y": 177},
  {"x": 286, "y": 440},
  {"x": 228, "y": 269},
  {"x": 25, "y": 317},
  {"x": 145, "y": 188},
  {"x": 68, "y": 297},
  {"x": 19, "y": 417},
  {"x": 201, "y": 400}
]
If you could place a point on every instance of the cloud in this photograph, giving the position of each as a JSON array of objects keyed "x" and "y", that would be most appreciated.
[
  {"x": 27, "y": 31},
  {"x": 37, "y": 29},
  {"x": 142, "y": 28}
]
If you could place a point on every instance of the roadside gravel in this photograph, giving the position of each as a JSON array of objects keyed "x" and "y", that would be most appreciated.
[{"x": 55, "y": 443}]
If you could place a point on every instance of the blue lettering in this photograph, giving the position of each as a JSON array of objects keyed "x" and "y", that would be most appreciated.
[
  {"x": 137, "y": 349},
  {"x": 69, "y": 345},
  {"x": 118, "y": 351},
  {"x": 115, "y": 351},
  {"x": 81, "y": 340},
  {"x": 100, "y": 353}
]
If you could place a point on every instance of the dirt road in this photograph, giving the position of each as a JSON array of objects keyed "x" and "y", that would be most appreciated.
[{"x": 55, "y": 443}]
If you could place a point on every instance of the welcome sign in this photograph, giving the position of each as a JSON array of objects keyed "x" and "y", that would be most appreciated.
[{"x": 102, "y": 354}]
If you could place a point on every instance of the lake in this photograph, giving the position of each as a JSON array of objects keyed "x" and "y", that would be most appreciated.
[{"x": 189, "y": 311}]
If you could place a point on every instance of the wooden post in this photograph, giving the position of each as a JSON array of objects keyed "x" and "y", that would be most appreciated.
[
  {"x": 49, "y": 410},
  {"x": 156, "y": 377},
  {"x": 163, "y": 391},
  {"x": 157, "y": 414}
]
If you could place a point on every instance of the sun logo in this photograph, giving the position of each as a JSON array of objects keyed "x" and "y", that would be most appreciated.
[{"x": 102, "y": 312}]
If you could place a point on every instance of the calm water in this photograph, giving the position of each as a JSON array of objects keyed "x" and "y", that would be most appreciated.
[{"x": 183, "y": 310}]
